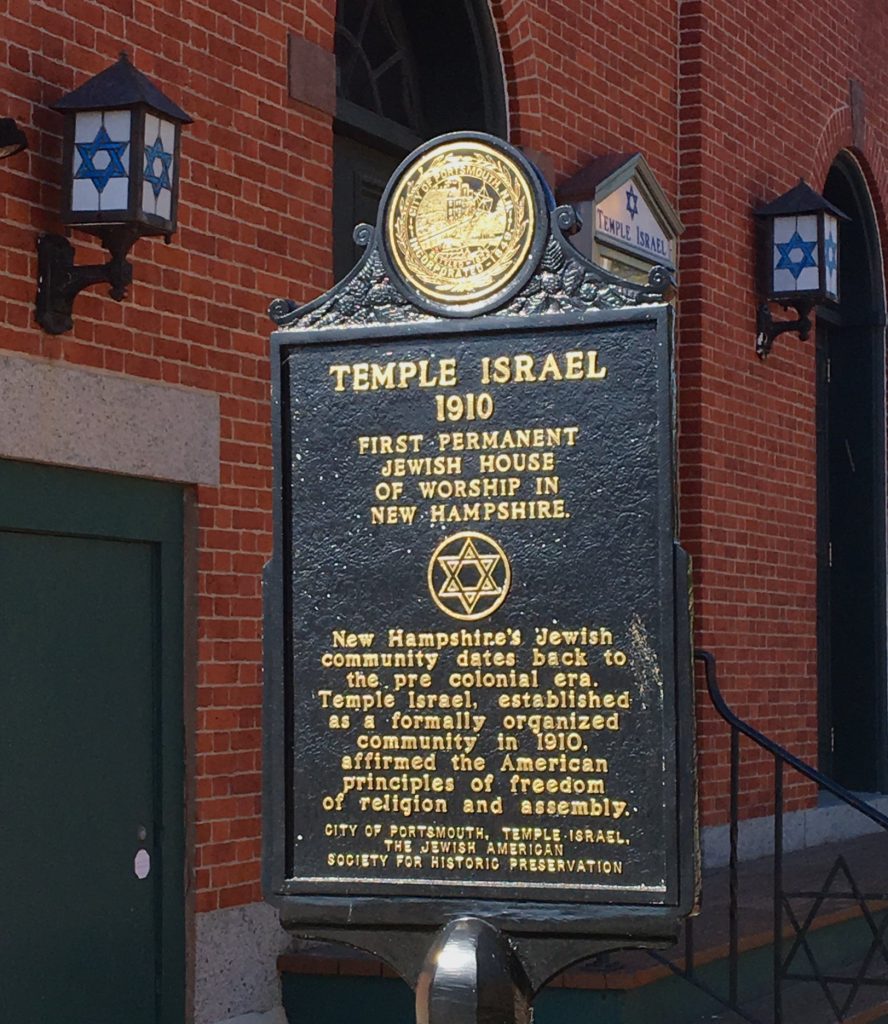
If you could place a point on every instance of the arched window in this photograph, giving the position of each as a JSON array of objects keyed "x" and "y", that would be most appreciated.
[
  {"x": 375, "y": 69},
  {"x": 852, "y": 499},
  {"x": 406, "y": 71}
]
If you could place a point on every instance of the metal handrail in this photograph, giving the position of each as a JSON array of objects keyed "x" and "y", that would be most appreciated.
[
  {"x": 781, "y": 966},
  {"x": 763, "y": 741}
]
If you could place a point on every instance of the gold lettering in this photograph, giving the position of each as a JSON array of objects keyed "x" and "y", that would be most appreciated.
[
  {"x": 395, "y": 375},
  {"x": 388, "y": 444},
  {"x": 552, "y": 366}
]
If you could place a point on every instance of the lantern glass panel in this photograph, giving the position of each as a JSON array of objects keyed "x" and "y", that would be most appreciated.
[
  {"x": 158, "y": 174},
  {"x": 101, "y": 161},
  {"x": 795, "y": 254},
  {"x": 831, "y": 256}
]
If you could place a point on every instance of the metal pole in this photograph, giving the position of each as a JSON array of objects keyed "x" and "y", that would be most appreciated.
[
  {"x": 472, "y": 976},
  {"x": 733, "y": 912},
  {"x": 778, "y": 891}
]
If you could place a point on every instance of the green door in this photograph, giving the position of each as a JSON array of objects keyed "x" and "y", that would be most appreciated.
[{"x": 91, "y": 748}]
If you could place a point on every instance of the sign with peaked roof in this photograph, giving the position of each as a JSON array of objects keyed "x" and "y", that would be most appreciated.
[{"x": 626, "y": 208}]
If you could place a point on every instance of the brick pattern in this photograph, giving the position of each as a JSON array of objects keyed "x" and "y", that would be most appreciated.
[
  {"x": 755, "y": 116},
  {"x": 728, "y": 106},
  {"x": 589, "y": 78},
  {"x": 254, "y": 223}
]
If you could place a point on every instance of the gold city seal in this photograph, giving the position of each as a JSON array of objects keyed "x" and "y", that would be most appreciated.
[
  {"x": 460, "y": 222},
  {"x": 469, "y": 575}
]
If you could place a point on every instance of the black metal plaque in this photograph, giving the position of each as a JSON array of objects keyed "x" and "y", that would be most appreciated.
[
  {"x": 477, "y": 631},
  {"x": 480, "y": 574}
]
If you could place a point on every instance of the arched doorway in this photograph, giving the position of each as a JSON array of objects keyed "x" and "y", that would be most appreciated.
[
  {"x": 852, "y": 499},
  {"x": 397, "y": 85}
]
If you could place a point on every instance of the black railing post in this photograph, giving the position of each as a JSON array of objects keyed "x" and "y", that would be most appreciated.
[
  {"x": 733, "y": 921},
  {"x": 778, "y": 889}
]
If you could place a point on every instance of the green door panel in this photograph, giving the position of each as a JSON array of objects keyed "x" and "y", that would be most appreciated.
[{"x": 90, "y": 749}]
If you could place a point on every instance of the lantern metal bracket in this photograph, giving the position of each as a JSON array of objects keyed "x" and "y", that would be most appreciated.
[
  {"x": 768, "y": 329},
  {"x": 59, "y": 281}
]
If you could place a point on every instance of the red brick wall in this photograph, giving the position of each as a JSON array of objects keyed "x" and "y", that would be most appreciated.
[
  {"x": 586, "y": 78},
  {"x": 764, "y": 100},
  {"x": 254, "y": 223},
  {"x": 730, "y": 102}
]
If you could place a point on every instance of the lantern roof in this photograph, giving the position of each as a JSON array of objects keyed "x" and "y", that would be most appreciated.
[
  {"x": 798, "y": 200},
  {"x": 121, "y": 85}
]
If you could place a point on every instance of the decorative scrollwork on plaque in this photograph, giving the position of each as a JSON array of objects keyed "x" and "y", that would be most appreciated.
[
  {"x": 365, "y": 296},
  {"x": 566, "y": 281},
  {"x": 563, "y": 281}
]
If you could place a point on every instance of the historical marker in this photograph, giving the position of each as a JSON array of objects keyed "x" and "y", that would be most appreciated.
[{"x": 478, "y": 675}]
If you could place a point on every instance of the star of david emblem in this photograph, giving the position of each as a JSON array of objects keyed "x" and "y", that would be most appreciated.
[
  {"x": 796, "y": 264},
  {"x": 158, "y": 179},
  {"x": 631, "y": 202},
  {"x": 840, "y": 986},
  {"x": 830, "y": 253},
  {"x": 101, "y": 149},
  {"x": 469, "y": 575}
]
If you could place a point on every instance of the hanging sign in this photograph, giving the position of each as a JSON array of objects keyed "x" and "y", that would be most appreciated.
[{"x": 625, "y": 219}]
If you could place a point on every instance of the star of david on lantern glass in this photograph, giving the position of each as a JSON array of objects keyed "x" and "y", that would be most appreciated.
[
  {"x": 796, "y": 255},
  {"x": 631, "y": 202},
  {"x": 831, "y": 251},
  {"x": 799, "y": 261},
  {"x": 102, "y": 159},
  {"x": 157, "y": 167},
  {"x": 120, "y": 164},
  {"x": 469, "y": 575}
]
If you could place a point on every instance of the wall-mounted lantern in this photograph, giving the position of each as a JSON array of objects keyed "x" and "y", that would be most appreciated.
[
  {"x": 120, "y": 181},
  {"x": 798, "y": 261},
  {"x": 12, "y": 138}
]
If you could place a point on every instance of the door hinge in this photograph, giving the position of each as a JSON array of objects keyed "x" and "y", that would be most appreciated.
[
  {"x": 829, "y": 371},
  {"x": 829, "y": 554}
]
